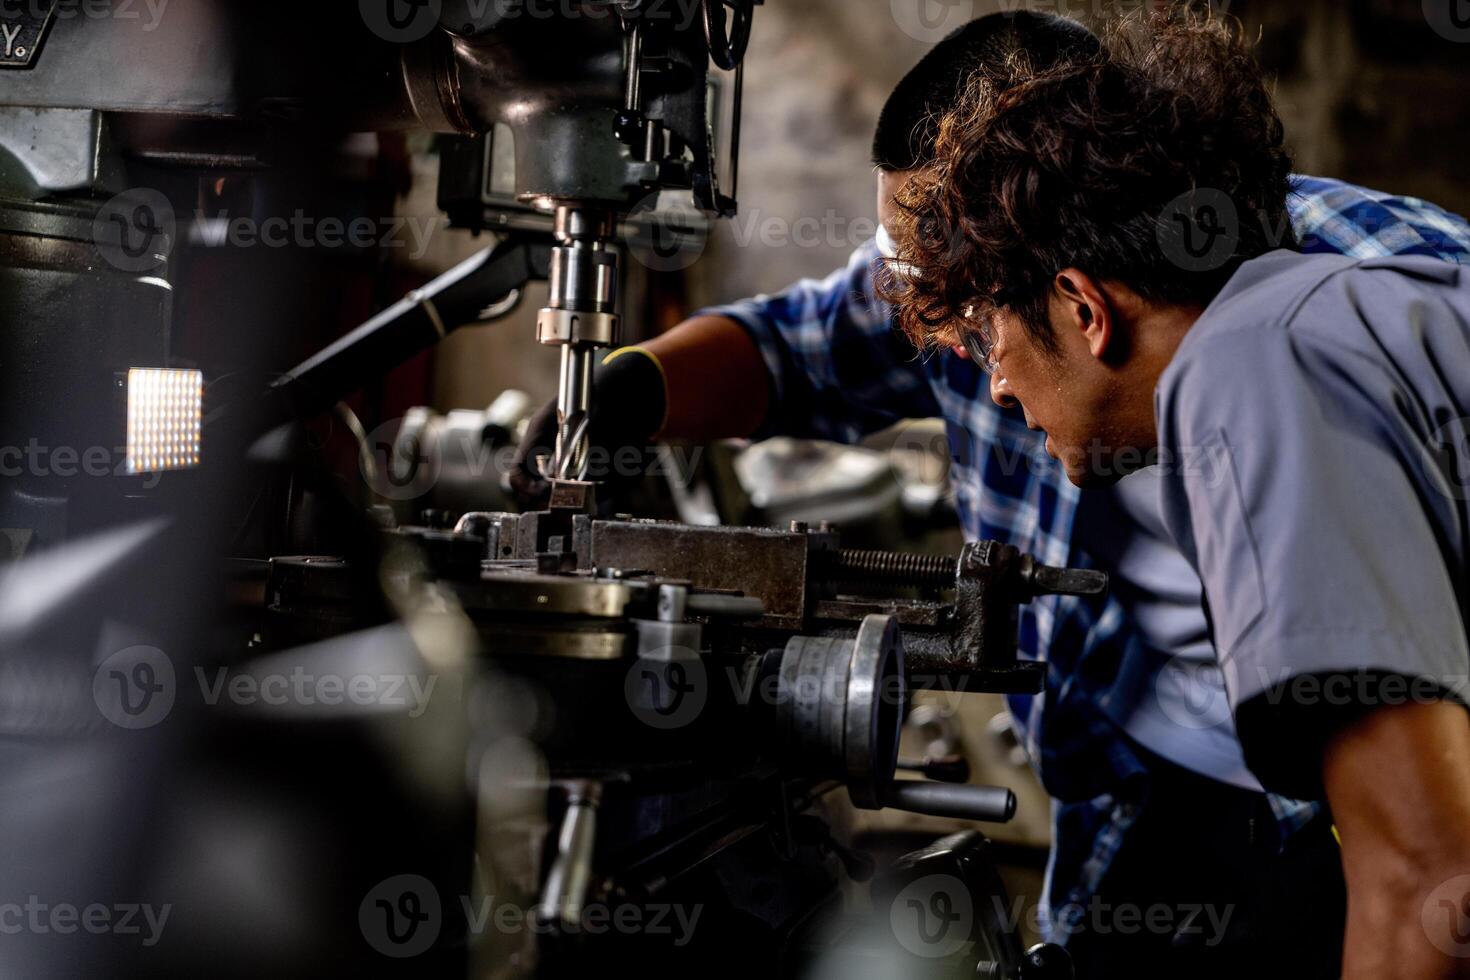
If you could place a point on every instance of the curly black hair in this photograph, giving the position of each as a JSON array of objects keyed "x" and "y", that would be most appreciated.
[
  {"x": 904, "y": 136},
  {"x": 1111, "y": 164}
]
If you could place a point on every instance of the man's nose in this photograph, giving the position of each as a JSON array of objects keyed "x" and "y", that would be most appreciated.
[{"x": 1000, "y": 391}]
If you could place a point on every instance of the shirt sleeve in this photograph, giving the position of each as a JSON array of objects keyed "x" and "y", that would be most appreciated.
[
  {"x": 839, "y": 367},
  {"x": 1292, "y": 484}
]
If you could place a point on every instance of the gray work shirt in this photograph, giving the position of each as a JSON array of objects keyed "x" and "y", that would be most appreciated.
[
  {"x": 1313, "y": 430},
  {"x": 1179, "y": 709}
]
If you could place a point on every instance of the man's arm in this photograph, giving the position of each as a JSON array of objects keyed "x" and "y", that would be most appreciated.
[
  {"x": 1398, "y": 782},
  {"x": 715, "y": 381}
]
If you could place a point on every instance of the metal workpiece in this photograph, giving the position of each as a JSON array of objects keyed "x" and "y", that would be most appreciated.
[{"x": 774, "y": 566}]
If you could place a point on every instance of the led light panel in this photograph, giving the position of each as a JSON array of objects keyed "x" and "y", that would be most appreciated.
[{"x": 165, "y": 419}]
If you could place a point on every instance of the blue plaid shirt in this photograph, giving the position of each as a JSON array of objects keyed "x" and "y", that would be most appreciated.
[{"x": 840, "y": 370}]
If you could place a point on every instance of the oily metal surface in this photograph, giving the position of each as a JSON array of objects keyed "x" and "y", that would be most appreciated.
[
  {"x": 770, "y": 565},
  {"x": 546, "y": 594}
]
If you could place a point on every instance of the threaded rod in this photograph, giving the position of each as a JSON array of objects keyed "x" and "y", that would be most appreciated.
[{"x": 895, "y": 567}]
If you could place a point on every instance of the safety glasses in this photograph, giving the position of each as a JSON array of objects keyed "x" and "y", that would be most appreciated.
[{"x": 977, "y": 333}]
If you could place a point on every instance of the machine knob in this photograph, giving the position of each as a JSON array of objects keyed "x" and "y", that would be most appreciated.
[{"x": 1046, "y": 961}]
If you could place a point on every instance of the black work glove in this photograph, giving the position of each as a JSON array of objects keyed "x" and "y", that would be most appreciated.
[{"x": 628, "y": 405}]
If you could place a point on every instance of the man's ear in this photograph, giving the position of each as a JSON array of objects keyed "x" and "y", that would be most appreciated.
[{"x": 1082, "y": 306}]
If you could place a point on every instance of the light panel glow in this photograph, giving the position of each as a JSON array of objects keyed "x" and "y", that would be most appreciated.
[{"x": 165, "y": 419}]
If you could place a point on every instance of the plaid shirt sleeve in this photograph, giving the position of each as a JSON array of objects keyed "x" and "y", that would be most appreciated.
[
  {"x": 1335, "y": 218},
  {"x": 839, "y": 367}
]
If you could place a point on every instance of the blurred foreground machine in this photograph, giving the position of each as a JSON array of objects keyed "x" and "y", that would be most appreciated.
[
  {"x": 642, "y": 721},
  {"x": 710, "y": 687}
]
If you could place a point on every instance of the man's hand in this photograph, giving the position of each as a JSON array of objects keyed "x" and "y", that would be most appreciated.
[
  {"x": 628, "y": 407},
  {"x": 1398, "y": 782},
  {"x": 703, "y": 380}
]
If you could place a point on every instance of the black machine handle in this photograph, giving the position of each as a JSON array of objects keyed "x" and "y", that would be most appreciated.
[{"x": 994, "y": 804}]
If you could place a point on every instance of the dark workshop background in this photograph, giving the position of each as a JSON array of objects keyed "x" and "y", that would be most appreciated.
[{"x": 1370, "y": 92}]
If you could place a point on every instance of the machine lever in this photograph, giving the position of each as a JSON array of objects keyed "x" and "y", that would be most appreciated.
[
  {"x": 993, "y": 804},
  {"x": 413, "y": 324},
  {"x": 1050, "y": 580}
]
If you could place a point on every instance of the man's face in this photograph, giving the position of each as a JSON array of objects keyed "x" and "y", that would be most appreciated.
[{"x": 1063, "y": 393}]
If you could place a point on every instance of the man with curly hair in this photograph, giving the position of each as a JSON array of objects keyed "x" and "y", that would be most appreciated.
[
  {"x": 1168, "y": 853},
  {"x": 1107, "y": 238}
]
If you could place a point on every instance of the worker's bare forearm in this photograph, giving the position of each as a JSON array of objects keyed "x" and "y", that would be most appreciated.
[
  {"x": 1398, "y": 782},
  {"x": 717, "y": 383}
]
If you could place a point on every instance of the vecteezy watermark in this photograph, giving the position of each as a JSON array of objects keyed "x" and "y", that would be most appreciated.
[
  {"x": 1445, "y": 917},
  {"x": 1447, "y": 458},
  {"x": 1199, "y": 230},
  {"x": 135, "y": 688},
  {"x": 669, "y": 688},
  {"x": 662, "y": 241},
  {"x": 1206, "y": 466},
  {"x": 64, "y": 919},
  {"x": 667, "y": 241},
  {"x": 404, "y": 915},
  {"x": 1096, "y": 10},
  {"x": 401, "y": 916},
  {"x": 677, "y": 922},
  {"x": 921, "y": 458},
  {"x": 1191, "y": 923},
  {"x": 401, "y": 21},
  {"x": 931, "y": 21},
  {"x": 1191, "y": 694},
  {"x": 933, "y": 916},
  {"x": 405, "y": 465},
  {"x": 69, "y": 462},
  {"x": 1345, "y": 688},
  {"x": 136, "y": 230},
  {"x": 407, "y": 21},
  {"x": 148, "y": 12},
  {"x": 299, "y": 687},
  {"x": 305, "y": 231},
  {"x": 669, "y": 691},
  {"x": 830, "y": 229},
  {"x": 1450, "y": 19}
]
